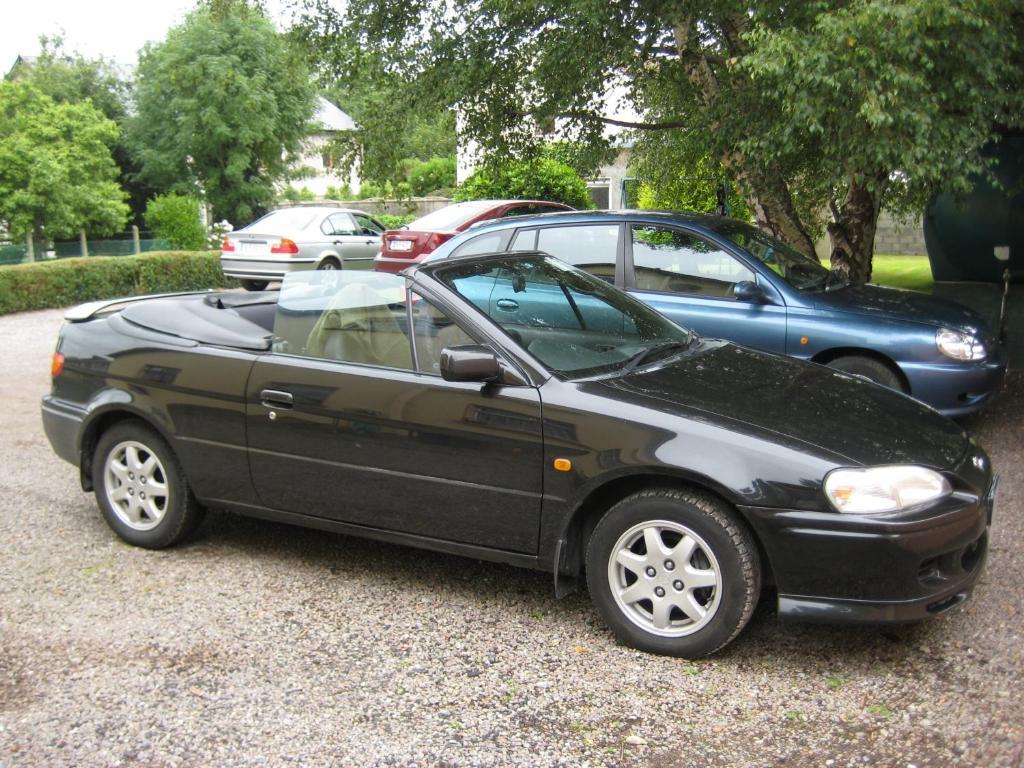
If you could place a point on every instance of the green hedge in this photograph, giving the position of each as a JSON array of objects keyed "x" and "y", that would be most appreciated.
[{"x": 47, "y": 284}]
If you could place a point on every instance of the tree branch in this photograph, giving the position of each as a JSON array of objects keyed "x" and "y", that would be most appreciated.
[{"x": 640, "y": 126}]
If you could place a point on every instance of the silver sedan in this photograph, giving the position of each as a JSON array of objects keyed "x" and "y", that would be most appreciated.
[{"x": 298, "y": 238}]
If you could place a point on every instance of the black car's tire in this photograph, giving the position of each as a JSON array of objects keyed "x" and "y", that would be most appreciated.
[
  {"x": 716, "y": 547},
  {"x": 329, "y": 263},
  {"x": 255, "y": 285},
  {"x": 868, "y": 368},
  {"x": 141, "y": 488}
]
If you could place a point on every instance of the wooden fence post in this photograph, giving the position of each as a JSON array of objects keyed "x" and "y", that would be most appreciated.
[
  {"x": 30, "y": 253},
  {"x": 83, "y": 242},
  {"x": 135, "y": 240}
]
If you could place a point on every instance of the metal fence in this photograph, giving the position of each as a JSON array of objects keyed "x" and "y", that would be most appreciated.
[{"x": 127, "y": 244}]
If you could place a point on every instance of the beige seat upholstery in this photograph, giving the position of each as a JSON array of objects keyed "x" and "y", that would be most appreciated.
[{"x": 359, "y": 327}]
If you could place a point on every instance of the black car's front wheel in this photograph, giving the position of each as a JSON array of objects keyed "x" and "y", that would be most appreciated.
[
  {"x": 141, "y": 488},
  {"x": 672, "y": 571}
]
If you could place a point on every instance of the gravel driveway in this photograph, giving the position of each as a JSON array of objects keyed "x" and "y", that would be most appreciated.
[{"x": 260, "y": 644}]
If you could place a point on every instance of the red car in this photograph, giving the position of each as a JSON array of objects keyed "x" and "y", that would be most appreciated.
[{"x": 404, "y": 247}]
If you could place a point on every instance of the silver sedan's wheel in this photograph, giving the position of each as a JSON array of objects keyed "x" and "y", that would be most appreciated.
[
  {"x": 136, "y": 485},
  {"x": 329, "y": 265},
  {"x": 141, "y": 488},
  {"x": 665, "y": 578}
]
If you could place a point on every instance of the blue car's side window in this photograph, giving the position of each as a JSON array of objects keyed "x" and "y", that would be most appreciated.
[{"x": 669, "y": 261}]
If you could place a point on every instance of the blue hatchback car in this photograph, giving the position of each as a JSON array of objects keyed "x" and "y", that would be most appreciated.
[{"x": 726, "y": 279}]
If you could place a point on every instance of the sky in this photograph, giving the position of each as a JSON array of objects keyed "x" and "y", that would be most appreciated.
[{"x": 116, "y": 29}]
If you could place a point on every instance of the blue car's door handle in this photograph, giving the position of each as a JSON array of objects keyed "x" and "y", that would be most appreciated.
[{"x": 507, "y": 305}]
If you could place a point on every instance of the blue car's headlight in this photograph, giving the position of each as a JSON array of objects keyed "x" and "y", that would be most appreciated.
[
  {"x": 959, "y": 345},
  {"x": 883, "y": 489}
]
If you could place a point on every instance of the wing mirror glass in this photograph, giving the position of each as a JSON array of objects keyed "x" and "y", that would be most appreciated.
[
  {"x": 746, "y": 290},
  {"x": 469, "y": 362}
]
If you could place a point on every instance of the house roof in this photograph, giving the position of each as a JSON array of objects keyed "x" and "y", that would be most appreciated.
[{"x": 329, "y": 118}]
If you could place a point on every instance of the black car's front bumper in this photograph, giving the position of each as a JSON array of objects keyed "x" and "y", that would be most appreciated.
[{"x": 876, "y": 568}]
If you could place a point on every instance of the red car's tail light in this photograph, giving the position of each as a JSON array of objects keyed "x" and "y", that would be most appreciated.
[
  {"x": 56, "y": 365},
  {"x": 435, "y": 239},
  {"x": 285, "y": 246},
  {"x": 227, "y": 245}
]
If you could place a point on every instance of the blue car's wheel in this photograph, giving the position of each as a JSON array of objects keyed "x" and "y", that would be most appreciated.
[{"x": 868, "y": 368}]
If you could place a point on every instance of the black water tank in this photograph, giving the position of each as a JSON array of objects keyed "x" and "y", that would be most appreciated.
[{"x": 964, "y": 235}]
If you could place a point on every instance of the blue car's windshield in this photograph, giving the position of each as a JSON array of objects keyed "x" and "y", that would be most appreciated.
[
  {"x": 575, "y": 324},
  {"x": 804, "y": 273}
]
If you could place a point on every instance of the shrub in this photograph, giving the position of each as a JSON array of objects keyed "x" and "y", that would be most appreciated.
[
  {"x": 435, "y": 175},
  {"x": 392, "y": 221},
  {"x": 47, "y": 284},
  {"x": 175, "y": 218},
  {"x": 539, "y": 179}
]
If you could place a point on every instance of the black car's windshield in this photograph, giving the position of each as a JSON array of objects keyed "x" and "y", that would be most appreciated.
[
  {"x": 575, "y": 324},
  {"x": 802, "y": 272}
]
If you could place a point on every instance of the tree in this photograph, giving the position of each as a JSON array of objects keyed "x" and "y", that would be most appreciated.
[
  {"x": 175, "y": 218},
  {"x": 832, "y": 107},
  {"x": 56, "y": 172},
  {"x": 537, "y": 179},
  {"x": 70, "y": 78},
  {"x": 223, "y": 105}
]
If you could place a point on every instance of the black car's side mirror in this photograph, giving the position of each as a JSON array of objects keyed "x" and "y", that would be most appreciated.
[
  {"x": 746, "y": 290},
  {"x": 469, "y": 362}
]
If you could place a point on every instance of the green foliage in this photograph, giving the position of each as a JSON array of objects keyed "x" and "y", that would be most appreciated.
[
  {"x": 175, "y": 218},
  {"x": 371, "y": 189},
  {"x": 344, "y": 192},
  {"x": 293, "y": 195},
  {"x": 539, "y": 179},
  {"x": 585, "y": 159},
  {"x": 436, "y": 175},
  {"x": 395, "y": 222},
  {"x": 56, "y": 172},
  {"x": 70, "y": 78},
  {"x": 693, "y": 189},
  {"x": 222, "y": 105},
  {"x": 47, "y": 284}
]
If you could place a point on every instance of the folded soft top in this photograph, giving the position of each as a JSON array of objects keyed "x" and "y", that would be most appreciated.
[{"x": 242, "y": 321}]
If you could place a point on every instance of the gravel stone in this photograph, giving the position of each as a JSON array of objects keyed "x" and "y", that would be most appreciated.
[{"x": 261, "y": 645}]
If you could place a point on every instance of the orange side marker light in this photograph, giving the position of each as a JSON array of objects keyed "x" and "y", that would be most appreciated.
[
  {"x": 563, "y": 465},
  {"x": 56, "y": 365},
  {"x": 804, "y": 340}
]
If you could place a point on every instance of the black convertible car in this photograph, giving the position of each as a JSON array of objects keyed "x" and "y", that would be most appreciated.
[{"x": 514, "y": 408}]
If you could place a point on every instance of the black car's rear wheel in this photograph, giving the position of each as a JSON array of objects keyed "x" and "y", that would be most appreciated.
[
  {"x": 141, "y": 488},
  {"x": 672, "y": 571},
  {"x": 868, "y": 368},
  {"x": 255, "y": 285}
]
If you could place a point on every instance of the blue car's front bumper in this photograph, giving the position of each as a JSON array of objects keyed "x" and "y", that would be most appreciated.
[{"x": 957, "y": 390}]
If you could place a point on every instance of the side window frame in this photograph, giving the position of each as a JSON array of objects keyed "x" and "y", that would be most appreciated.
[
  {"x": 620, "y": 245},
  {"x": 505, "y": 236},
  {"x": 630, "y": 270}
]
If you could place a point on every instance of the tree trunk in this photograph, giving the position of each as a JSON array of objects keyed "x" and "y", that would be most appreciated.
[
  {"x": 769, "y": 198},
  {"x": 852, "y": 230}
]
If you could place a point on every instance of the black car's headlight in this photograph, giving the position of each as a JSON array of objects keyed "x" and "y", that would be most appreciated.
[
  {"x": 883, "y": 489},
  {"x": 959, "y": 345}
]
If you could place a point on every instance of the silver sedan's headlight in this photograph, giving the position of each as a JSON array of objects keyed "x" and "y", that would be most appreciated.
[
  {"x": 883, "y": 489},
  {"x": 960, "y": 345}
]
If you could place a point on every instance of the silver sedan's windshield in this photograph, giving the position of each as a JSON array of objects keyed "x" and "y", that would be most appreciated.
[{"x": 575, "y": 324}]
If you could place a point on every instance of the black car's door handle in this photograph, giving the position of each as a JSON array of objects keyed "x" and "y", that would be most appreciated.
[
  {"x": 508, "y": 305},
  {"x": 273, "y": 398}
]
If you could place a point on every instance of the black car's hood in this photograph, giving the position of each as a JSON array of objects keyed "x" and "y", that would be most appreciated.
[
  {"x": 900, "y": 304},
  {"x": 840, "y": 414}
]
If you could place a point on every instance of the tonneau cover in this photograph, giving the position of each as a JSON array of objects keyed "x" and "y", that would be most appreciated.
[{"x": 207, "y": 319}]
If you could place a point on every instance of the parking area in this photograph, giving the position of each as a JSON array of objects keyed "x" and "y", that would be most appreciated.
[{"x": 261, "y": 644}]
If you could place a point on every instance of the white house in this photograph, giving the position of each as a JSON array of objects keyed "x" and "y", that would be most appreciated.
[{"x": 330, "y": 121}]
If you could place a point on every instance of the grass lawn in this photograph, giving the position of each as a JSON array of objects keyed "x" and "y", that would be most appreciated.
[{"x": 912, "y": 272}]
